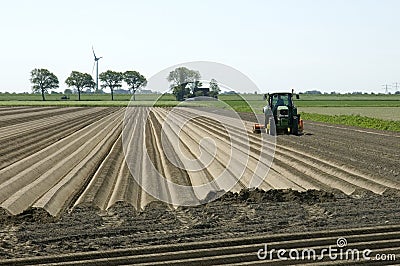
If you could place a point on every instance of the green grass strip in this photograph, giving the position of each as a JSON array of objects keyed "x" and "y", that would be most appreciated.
[
  {"x": 354, "y": 120},
  {"x": 89, "y": 103}
]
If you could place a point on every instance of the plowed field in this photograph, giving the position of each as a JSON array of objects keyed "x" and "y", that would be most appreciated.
[{"x": 66, "y": 184}]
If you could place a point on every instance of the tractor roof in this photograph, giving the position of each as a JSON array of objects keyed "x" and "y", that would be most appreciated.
[{"x": 281, "y": 93}]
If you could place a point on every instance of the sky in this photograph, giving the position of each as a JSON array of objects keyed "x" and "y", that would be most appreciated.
[{"x": 327, "y": 45}]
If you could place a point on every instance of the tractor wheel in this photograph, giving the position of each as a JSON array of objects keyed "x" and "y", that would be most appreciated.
[{"x": 295, "y": 126}]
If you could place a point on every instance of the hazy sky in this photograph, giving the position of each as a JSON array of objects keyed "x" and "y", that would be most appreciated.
[{"x": 341, "y": 45}]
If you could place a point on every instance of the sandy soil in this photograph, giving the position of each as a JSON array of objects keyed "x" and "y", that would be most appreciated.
[{"x": 102, "y": 207}]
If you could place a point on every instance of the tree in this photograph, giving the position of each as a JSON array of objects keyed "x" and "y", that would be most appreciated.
[
  {"x": 214, "y": 88},
  {"x": 195, "y": 87},
  {"x": 135, "y": 81},
  {"x": 67, "y": 91},
  {"x": 80, "y": 81},
  {"x": 180, "y": 78},
  {"x": 112, "y": 80},
  {"x": 43, "y": 80}
]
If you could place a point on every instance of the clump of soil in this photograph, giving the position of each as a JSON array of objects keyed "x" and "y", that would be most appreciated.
[
  {"x": 279, "y": 195},
  {"x": 122, "y": 209},
  {"x": 32, "y": 215},
  {"x": 36, "y": 215}
]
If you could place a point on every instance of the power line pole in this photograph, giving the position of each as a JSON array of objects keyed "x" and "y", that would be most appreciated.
[
  {"x": 396, "y": 85},
  {"x": 386, "y": 86}
]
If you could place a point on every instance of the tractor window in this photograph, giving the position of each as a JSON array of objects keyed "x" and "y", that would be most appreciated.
[{"x": 280, "y": 100}]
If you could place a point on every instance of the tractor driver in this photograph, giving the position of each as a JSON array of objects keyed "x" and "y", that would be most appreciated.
[{"x": 280, "y": 102}]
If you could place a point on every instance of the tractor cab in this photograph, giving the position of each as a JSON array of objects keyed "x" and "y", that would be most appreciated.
[{"x": 281, "y": 114}]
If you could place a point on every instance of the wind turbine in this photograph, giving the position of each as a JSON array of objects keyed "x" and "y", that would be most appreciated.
[{"x": 96, "y": 61}]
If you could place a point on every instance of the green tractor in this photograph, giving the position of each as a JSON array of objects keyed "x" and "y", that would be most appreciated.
[{"x": 281, "y": 115}]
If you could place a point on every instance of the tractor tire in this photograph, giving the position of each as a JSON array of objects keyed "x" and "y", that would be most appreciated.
[{"x": 295, "y": 126}]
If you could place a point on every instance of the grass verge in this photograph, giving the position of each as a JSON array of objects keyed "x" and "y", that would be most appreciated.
[{"x": 354, "y": 120}]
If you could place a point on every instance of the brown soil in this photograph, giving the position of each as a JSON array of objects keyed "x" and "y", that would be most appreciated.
[
  {"x": 35, "y": 233},
  {"x": 89, "y": 226}
]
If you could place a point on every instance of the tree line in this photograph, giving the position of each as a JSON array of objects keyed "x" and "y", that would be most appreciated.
[
  {"x": 43, "y": 80},
  {"x": 184, "y": 83}
]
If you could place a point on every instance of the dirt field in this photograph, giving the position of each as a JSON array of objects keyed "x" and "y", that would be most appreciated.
[{"x": 65, "y": 185}]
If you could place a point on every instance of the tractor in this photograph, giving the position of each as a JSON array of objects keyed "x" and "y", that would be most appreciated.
[{"x": 281, "y": 115}]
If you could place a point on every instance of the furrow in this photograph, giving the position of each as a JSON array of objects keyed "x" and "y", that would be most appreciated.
[
  {"x": 34, "y": 125},
  {"x": 347, "y": 180},
  {"x": 13, "y": 150},
  {"x": 219, "y": 163},
  {"x": 60, "y": 195},
  {"x": 132, "y": 186},
  {"x": 37, "y": 158},
  {"x": 201, "y": 180},
  {"x": 101, "y": 185},
  {"x": 18, "y": 192},
  {"x": 28, "y": 116},
  {"x": 279, "y": 178},
  {"x": 23, "y": 109},
  {"x": 177, "y": 179}
]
